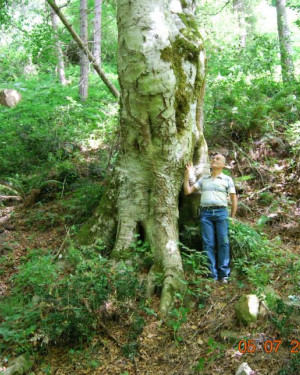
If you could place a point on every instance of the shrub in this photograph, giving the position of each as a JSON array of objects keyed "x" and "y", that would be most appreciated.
[
  {"x": 253, "y": 254},
  {"x": 55, "y": 302}
]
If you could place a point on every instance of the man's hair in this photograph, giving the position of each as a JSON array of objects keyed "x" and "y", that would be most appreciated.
[{"x": 219, "y": 153}]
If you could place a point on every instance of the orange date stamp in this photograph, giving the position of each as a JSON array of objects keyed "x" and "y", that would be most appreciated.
[{"x": 268, "y": 346}]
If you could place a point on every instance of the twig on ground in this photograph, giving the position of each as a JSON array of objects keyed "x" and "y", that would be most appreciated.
[{"x": 62, "y": 246}]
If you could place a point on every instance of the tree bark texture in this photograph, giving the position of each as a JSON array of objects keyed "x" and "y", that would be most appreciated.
[
  {"x": 161, "y": 63},
  {"x": 97, "y": 32},
  {"x": 287, "y": 66},
  {"x": 84, "y": 61},
  {"x": 84, "y": 48},
  {"x": 59, "y": 52}
]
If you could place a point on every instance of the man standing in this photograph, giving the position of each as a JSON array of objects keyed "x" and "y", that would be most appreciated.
[{"x": 214, "y": 215}]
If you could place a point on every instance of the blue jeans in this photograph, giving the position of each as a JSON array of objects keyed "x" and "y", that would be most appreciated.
[{"x": 214, "y": 226}]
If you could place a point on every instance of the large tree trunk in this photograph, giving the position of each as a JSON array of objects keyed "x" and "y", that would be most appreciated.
[
  {"x": 97, "y": 32},
  {"x": 84, "y": 61},
  {"x": 59, "y": 52},
  {"x": 287, "y": 66},
  {"x": 161, "y": 64}
]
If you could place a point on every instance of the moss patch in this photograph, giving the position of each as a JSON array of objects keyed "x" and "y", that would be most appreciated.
[
  {"x": 186, "y": 47},
  {"x": 184, "y": 3},
  {"x": 85, "y": 235},
  {"x": 191, "y": 25}
]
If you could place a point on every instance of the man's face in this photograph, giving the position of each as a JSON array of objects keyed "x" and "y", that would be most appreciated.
[{"x": 218, "y": 161}]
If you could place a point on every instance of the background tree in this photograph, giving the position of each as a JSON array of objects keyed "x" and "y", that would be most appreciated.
[
  {"x": 239, "y": 9},
  {"x": 84, "y": 49},
  {"x": 84, "y": 61},
  {"x": 287, "y": 65},
  {"x": 97, "y": 32},
  {"x": 59, "y": 52}
]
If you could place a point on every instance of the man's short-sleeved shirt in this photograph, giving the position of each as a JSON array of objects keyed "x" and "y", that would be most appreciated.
[{"x": 214, "y": 191}]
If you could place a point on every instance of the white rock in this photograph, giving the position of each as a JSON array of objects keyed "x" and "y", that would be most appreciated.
[
  {"x": 9, "y": 97},
  {"x": 244, "y": 369},
  {"x": 263, "y": 309},
  {"x": 247, "y": 308}
]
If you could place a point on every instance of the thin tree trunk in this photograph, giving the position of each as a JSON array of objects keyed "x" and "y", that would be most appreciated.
[
  {"x": 287, "y": 66},
  {"x": 161, "y": 64},
  {"x": 84, "y": 61},
  {"x": 59, "y": 52},
  {"x": 81, "y": 45},
  {"x": 239, "y": 8},
  {"x": 97, "y": 32}
]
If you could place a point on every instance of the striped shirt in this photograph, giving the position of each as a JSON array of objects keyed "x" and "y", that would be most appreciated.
[{"x": 215, "y": 190}]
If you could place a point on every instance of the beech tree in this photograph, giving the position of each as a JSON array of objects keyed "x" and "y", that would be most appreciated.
[
  {"x": 97, "y": 32},
  {"x": 84, "y": 61},
  {"x": 287, "y": 66},
  {"x": 239, "y": 9},
  {"x": 161, "y": 65},
  {"x": 59, "y": 52}
]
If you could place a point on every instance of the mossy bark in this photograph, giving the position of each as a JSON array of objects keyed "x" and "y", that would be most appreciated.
[{"x": 161, "y": 64}]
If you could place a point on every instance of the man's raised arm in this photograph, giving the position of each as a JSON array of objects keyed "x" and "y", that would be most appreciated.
[{"x": 186, "y": 183}]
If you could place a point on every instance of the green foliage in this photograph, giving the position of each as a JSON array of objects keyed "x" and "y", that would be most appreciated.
[
  {"x": 293, "y": 366},
  {"x": 294, "y": 4},
  {"x": 130, "y": 349},
  {"x": 49, "y": 127},
  {"x": 177, "y": 317},
  {"x": 55, "y": 302},
  {"x": 196, "y": 271},
  {"x": 194, "y": 261},
  {"x": 293, "y": 135},
  {"x": 245, "y": 97},
  {"x": 215, "y": 350},
  {"x": 253, "y": 254},
  {"x": 12, "y": 65},
  {"x": 13, "y": 186},
  {"x": 141, "y": 252},
  {"x": 265, "y": 198},
  {"x": 282, "y": 317},
  {"x": 109, "y": 45},
  {"x": 4, "y": 14},
  {"x": 83, "y": 202},
  {"x": 39, "y": 43}
]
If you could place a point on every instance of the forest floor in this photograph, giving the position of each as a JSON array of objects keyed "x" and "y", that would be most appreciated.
[{"x": 207, "y": 338}]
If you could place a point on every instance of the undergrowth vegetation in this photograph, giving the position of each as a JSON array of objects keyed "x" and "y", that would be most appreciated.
[
  {"x": 55, "y": 154},
  {"x": 64, "y": 296},
  {"x": 64, "y": 299},
  {"x": 254, "y": 256},
  {"x": 50, "y": 127}
]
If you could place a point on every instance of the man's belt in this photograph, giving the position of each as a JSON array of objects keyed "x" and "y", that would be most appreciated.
[{"x": 211, "y": 207}]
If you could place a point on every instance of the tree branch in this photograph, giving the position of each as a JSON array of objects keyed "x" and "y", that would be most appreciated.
[
  {"x": 219, "y": 11},
  {"x": 85, "y": 50}
]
